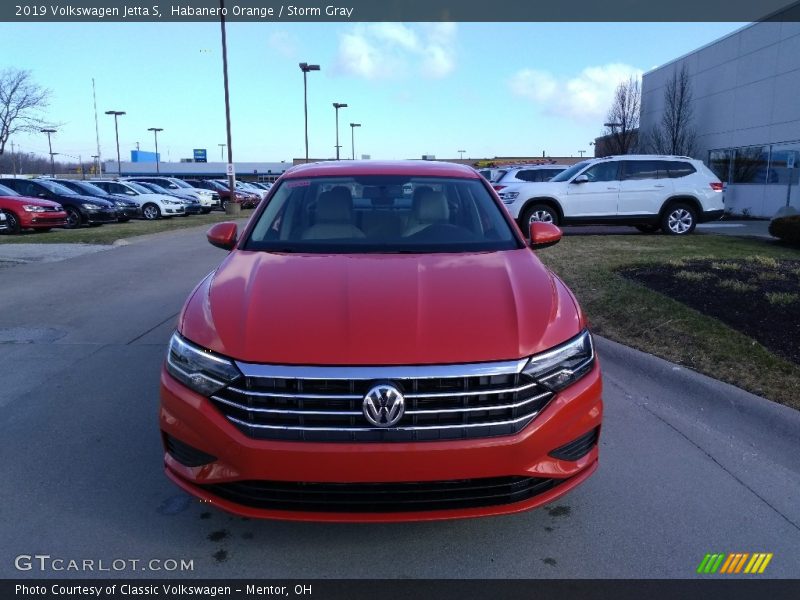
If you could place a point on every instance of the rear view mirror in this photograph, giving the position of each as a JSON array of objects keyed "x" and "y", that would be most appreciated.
[
  {"x": 581, "y": 179},
  {"x": 223, "y": 235},
  {"x": 544, "y": 235}
]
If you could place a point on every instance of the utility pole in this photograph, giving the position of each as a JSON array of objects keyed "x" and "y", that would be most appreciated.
[
  {"x": 232, "y": 208},
  {"x": 155, "y": 131},
  {"x": 50, "y": 145},
  {"x": 97, "y": 131},
  {"x": 337, "y": 106},
  {"x": 116, "y": 114}
]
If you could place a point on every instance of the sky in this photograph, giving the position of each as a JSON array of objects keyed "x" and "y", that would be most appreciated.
[{"x": 490, "y": 89}]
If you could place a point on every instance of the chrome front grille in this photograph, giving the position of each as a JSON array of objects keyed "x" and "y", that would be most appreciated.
[{"x": 324, "y": 404}]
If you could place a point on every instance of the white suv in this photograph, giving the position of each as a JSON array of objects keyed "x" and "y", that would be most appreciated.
[
  {"x": 525, "y": 174},
  {"x": 671, "y": 193}
]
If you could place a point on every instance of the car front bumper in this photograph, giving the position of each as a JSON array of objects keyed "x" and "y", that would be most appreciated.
[
  {"x": 101, "y": 216},
  {"x": 241, "y": 462},
  {"x": 42, "y": 220},
  {"x": 129, "y": 212}
]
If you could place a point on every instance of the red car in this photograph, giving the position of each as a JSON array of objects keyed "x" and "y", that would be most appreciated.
[
  {"x": 23, "y": 212},
  {"x": 381, "y": 344}
]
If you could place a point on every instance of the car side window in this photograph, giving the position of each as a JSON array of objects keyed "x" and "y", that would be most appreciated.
[
  {"x": 643, "y": 169},
  {"x": 604, "y": 171},
  {"x": 679, "y": 169},
  {"x": 26, "y": 188},
  {"x": 527, "y": 175}
]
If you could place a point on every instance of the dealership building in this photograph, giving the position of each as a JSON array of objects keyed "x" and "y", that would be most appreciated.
[{"x": 746, "y": 99}]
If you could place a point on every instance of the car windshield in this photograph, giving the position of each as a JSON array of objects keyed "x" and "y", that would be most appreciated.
[
  {"x": 138, "y": 187},
  {"x": 376, "y": 213},
  {"x": 89, "y": 188},
  {"x": 56, "y": 188},
  {"x": 7, "y": 191},
  {"x": 567, "y": 174},
  {"x": 180, "y": 184}
]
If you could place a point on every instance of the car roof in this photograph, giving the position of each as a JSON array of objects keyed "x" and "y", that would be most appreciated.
[
  {"x": 646, "y": 157},
  {"x": 344, "y": 168}
]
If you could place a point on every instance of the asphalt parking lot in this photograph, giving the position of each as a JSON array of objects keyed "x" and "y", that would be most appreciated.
[{"x": 689, "y": 466}]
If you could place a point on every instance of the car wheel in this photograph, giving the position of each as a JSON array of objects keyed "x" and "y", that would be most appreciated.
[
  {"x": 648, "y": 228},
  {"x": 151, "y": 212},
  {"x": 224, "y": 206},
  {"x": 12, "y": 223},
  {"x": 73, "y": 218},
  {"x": 538, "y": 212},
  {"x": 678, "y": 219}
]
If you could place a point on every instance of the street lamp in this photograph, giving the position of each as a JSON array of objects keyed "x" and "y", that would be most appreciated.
[
  {"x": 221, "y": 152},
  {"x": 117, "y": 113},
  {"x": 337, "y": 106},
  {"x": 581, "y": 152},
  {"x": 461, "y": 152},
  {"x": 232, "y": 207},
  {"x": 155, "y": 131},
  {"x": 305, "y": 68},
  {"x": 50, "y": 146},
  {"x": 353, "y": 137}
]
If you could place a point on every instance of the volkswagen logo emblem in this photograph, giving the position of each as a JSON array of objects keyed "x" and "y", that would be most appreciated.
[{"x": 384, "y": 406}]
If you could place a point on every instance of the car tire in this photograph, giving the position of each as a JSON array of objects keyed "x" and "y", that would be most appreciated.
[
  {"x": 648, "y": 228},
  {"x": 537, "y": 212},
  {"x": 679, "y": 219},
  {"x": 151, "y": 212},
  {"x": 74, "y": 218},
  {"x": 12, "y": 223},
  {"x": 224, "y": 206}
]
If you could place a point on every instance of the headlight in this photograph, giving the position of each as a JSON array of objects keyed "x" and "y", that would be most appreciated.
[
  {"x": 32, "y": 208},
  {"x": 199, "y": 369},
  {"x": 564, "y": 364},
  {"x": 90, "y": 206},
  {"x": 508, "y": 197}
]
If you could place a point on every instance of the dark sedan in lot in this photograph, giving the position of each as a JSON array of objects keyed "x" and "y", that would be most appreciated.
[
  {"x": 80, "y": 209},
  {"x": 21, "y": 212},
  {"x": 127, "y": 209}
]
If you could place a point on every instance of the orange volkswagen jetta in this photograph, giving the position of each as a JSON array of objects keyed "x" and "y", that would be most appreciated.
[{"x": 380, "y": 344}]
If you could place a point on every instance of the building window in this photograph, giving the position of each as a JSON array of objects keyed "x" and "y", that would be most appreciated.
[
  {"x": 719, "y": 161},
  {"x": 750, "y": 165},
  {"x": 785, "y": 163}
]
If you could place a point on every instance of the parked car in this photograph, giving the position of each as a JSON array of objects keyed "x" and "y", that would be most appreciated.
[
  {"x": 671, "y": 193},
  {"x": 219, "y": 188},
  {"x": 21, "y": 212},
  {"x": 525, "y": 174},
  {"x": 153, "y": 205},
  {"x": 331, "y": 370},
  {"x": 207, "y": 198},
  {"x": 264, "y": 185},
  {"x": 80, "y": 209},
  {"x": 126, "y": 209},
  {"x": 191, "y": 204},
  {"x": 250, "y": 199},
  {"x": 3, "y": 223}
]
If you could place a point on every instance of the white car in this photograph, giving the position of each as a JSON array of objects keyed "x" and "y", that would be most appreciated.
[
  {"x": 208, "y": 199},
  {"x": 507, "y": 176},
  {"x": 671, "y": 193},
  {"x": 153, "y": 205}
]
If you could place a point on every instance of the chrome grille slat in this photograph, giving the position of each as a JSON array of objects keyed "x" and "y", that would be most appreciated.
[{"x": 324, "y": 404}]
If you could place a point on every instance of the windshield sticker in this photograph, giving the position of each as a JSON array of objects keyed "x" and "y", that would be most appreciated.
[{"x": 298, "y": 183}]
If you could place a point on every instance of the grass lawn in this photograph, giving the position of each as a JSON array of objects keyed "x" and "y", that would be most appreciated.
[
  {"x": 108, "y": 234},
  {"x": 628, "y": 312}
]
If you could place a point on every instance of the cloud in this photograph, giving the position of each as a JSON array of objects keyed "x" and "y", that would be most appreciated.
[
  {"x": 283, "y": 43},
  {"x": 383, "y": 50},
  {"x": 584, "y": 97}
]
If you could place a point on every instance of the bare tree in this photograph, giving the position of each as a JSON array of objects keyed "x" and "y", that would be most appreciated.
[
  {"x": 21, "y": 103},
  {"x": 675, "y": 133},
  {"x": 622, "y": 123}
]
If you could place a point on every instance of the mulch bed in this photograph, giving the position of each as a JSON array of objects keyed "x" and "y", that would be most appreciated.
[{"x": 738, "y": 293}]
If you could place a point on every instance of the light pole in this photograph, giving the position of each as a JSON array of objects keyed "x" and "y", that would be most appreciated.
[
  {"x": 155, "y": 131},
  {"x": 232, "y": 207},
  {"x": 581, "y": 152},
  {"x": 353, "y": 137},
  {"x": 96, "y": 161},
  {"x": 305, "y": 68},
  {"x": 461, "y": 152},
  {"x": 337, "y": 106},
  {"x": 50, "y": 146},
  {"x": 221, "y": 152},
  {"x": 117, "y": 113}
]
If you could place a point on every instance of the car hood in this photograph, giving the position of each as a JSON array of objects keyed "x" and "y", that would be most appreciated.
[
  {"x": 17, "y": 200},
  {"x": 84, "y": 198},
  {"x": 380, "y": 309}
]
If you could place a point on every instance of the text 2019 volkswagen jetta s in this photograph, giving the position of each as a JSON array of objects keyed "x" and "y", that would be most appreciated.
[{"x": 381, "y": 344}]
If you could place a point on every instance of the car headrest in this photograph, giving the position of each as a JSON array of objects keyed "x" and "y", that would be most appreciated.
[
  {"x": 431, "y": 207},
  {"x": 335, "y": 206}
]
